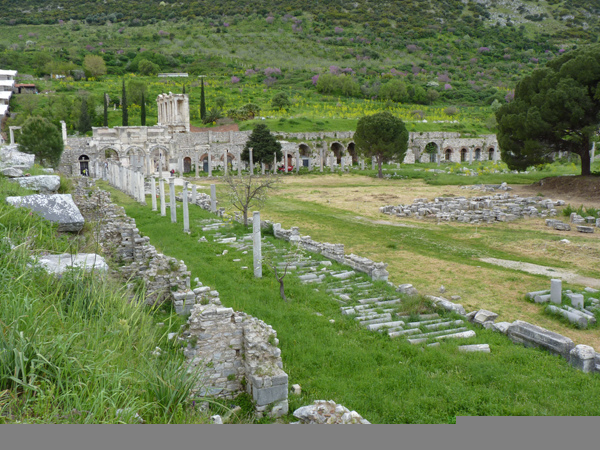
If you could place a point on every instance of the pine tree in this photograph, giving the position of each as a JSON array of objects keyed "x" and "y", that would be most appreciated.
[
  {"x": 202, "y": 100},
  {"x": 143, "y": 111},
  {"x": 85, "y": 122},
  {"x": 105, "y": 110},
  {"x": 124, "y": 107}
]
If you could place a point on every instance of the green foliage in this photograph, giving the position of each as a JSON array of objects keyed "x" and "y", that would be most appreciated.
[
  {"x": 213, "y": 114},
  {"x": 202, "y": 100},
  {"x": 280, "y": 101},
  {"x": 41, "y": 138},
  {"x": 582, "y": 211},
  {"x": 94, "y": 65},
  {"x": 85, "y": 122},
  {"x": 146, "y": 67},
  {"x": 136, "y": 91},
  {"x": 382, "y": 136},
  {"x": 143, "y": 111},
  {"x": 556, "y": 108},
  {"x": 263, "y": 144}
]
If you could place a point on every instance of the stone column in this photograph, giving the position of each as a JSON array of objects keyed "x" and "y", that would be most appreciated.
[
  {"x": 163, "y": 203},
  {"x": 239, "y": 164},
  {"x": 132, "y": 183},
  {"x": 11, "y": 132},
  {"x": 556, "y": 291},
  {"x": 173, "y": 202},
  {"x": 251, "y": 162},
  {"x": 297, "y": 161},
  {"x": 153, "y": 192},
  {"x": 142, "y": 188},
  {"x": 256, "y": 244},
  {"x": 362, "y": 164},
  {"x": 342, "y": 161},
  {"x": 197, "y": 163},
  {"x": 262, "y": 168},
  {"x": 160, "y": 167},
  {"x": 274, "y": 163},
  {"x": 593, "y": 154},
  {"x": 63, "y": 127},
  {"x": 332, "y": 161},
  {"x": 213, "y": 198},
  {"x": 194, "y": 193},
  {"x": 321, "y": 159},
  {"x": 285, "y": 162},
  {"x": 373, "y": 163},
  {"x": 225, "y": 168},
  {"x": 470, "y": 156},
  {"x": 209, "y": 164},
  {"x": 186, "y": 214},
  {"x": 180, "y": 165}
]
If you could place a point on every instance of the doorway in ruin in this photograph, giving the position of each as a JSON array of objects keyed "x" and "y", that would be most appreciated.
[
  {"x": 338, "y": 151},
  {"x": 491, "y": 153},
  {"x": 432, "y": 150},
  {"x": 111, "y": 154},
  {"x": 463, "y": 154},
  {"x": 477, "y": 154},
  {"x": 448, "y": 155},
  {"x": 305, "y": 153},
  {"x": 352, "y": 152},
  {"x": 84, "y": 165},
  {"x": 187, "y": 164}
]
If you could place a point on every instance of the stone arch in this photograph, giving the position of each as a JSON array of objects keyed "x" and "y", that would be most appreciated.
[
  {"x": 159, "y": 155},
  {"x": 230, "y": 159},
  {"x": 448, "y": 154},
  {"x": 305, "y": 153},
  {"x": 338, "y": 151},
  {"x": 110, "y": 153},
  {"x": 491, "y": 153},
  {"x": 84, "y": 165},
  {"x": 431, "y": 148},
  {"x": 477, "y": 154},
  {"x": 204, "y": 161},
  {"x": 351, "y": 149},
  {"x": 463, "y": 154}
]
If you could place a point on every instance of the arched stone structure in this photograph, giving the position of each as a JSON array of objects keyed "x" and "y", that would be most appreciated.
[
  {"x": 351, "y": 150},
  {"x": 84, "y": 165},
  {"x": 464, "y": 154},
  {"x": 338, "y": 151}
]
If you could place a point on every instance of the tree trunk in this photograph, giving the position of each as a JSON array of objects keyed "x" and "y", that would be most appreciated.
[
  {"x": 245, "y": 217},
  {"x": 379, "y": 163},
  {"x": 281, "y": 291},
  {"x": 585, "y": 161}
]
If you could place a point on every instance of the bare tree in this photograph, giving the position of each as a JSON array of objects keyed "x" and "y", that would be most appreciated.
[{"x": 249, "y": 190}]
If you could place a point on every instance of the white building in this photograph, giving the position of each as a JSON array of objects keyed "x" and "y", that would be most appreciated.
[{"x": 7, "y": 74}]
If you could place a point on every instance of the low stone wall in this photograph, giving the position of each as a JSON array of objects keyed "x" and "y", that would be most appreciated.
[
  {"x": 235, "y": 351},
  {"x": 377, "y": 271}
]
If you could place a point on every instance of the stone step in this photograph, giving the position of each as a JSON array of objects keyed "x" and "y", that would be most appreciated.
[
  {"x": 421, "y": 316},
  {"x": 400, "y": 332},
  {"x": 387, "y": 316},
  {"x": 375, "y": 311},
  {"x": 426, "y": 336},
  {"x": 377, "y": 326},
  {"x": 435, "y": 326},
  {"x": 369, "y": 322},
  {"x": 370, "y": 300},
  {"x": 424, "y": 322},
  {"x": 344, "y": 275}
]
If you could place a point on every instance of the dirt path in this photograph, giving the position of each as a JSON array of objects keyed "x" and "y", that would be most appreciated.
[{"x": 536, "y": 269}]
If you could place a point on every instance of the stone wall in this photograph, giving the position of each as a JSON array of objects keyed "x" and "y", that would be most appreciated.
[
  {"x": 377, "y": 271},
  {"x": 235, "y": 351}
]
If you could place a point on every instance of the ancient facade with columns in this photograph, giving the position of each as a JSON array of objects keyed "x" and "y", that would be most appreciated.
[{"x": 171, "y": 145}]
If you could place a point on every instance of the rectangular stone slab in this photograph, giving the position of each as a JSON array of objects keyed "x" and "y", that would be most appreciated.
[{"x": 533, "y": 336}]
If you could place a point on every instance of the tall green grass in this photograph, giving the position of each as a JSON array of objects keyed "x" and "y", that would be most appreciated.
[{"x": 81, "y": 347}]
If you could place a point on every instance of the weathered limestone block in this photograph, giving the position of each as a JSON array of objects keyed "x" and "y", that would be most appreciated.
[
  {"x": 447, "y": 304},
  {"x": 584, "y": 229},
  {"x": 58, "y": 208},
  {"x": 533, "y": 336},
  {"x": 583, "y": 357},
  {"x": 407, "y": 289},
  {"x": 10, "y": 156},
  {"x": 58, "y": 264},
  {"x": 482, "y": 348},
  {"x": 45, "y": 184},
  {"x": 12, "y": 172},
  {"x": 484, "y": 316},
  {"x": 328, "y": 412}
]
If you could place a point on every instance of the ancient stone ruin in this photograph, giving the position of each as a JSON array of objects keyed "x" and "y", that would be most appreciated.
[{"x": 500, "y": 207}]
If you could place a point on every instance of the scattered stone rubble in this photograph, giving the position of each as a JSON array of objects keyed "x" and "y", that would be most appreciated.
[
  {"x": 582, "y": 224},
  {"x": 11, "y": 157},
  {"x": 44, "y": 184},
  {"x": 489, "y": 208},
  {"x": 488, "y": 187},
  {"x": 58, "y": 264},
  {"x": 327, "y": 412}
]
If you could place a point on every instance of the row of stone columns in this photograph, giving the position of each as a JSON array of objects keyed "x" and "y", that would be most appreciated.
[{"x": 125, "y": 179}]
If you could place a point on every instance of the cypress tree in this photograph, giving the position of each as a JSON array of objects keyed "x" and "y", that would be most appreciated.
[
  {"x": 143, "y": 111},
  {"x": 105, "y": 110},
  {"x": 183, "y": 92},
  {"x": 202, "y": 100},
  {"x": 85, "y": 122},
  {"x": 124, "y": 107}
]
